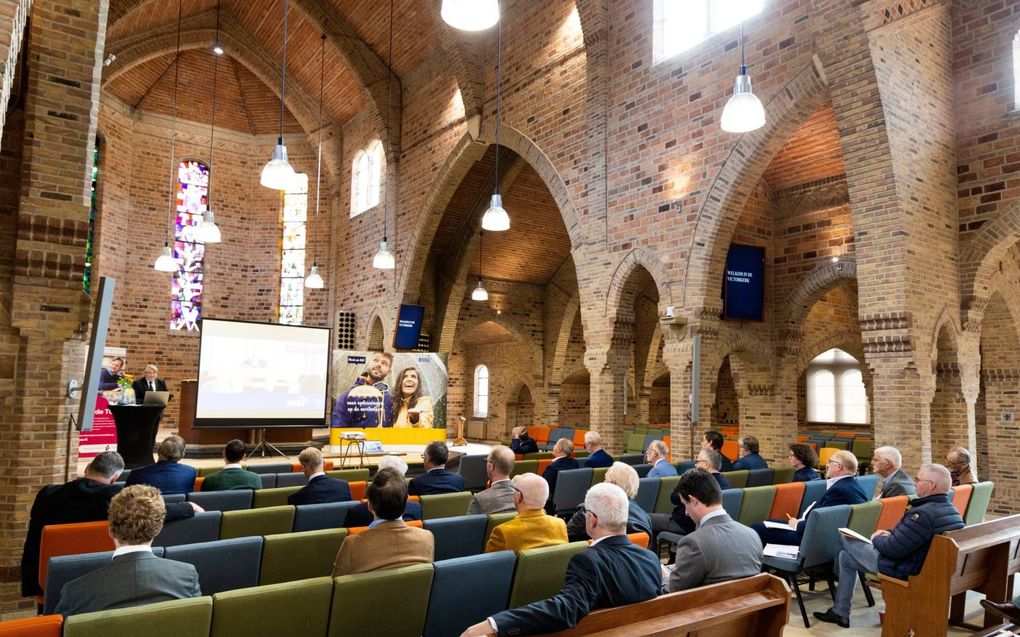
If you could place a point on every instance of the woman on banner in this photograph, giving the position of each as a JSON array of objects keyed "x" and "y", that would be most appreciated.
[{"x": 412, "y": 407}]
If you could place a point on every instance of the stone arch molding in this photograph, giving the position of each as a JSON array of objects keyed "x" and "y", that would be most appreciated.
[
  {"x": 637, "y": 258},
  {"x": 980, "y": 253},
  {"x": 847, "y": 340},
  {"x": 816, "y": 284},
  {"x": 377, "y": 315},
  {"x": 512, "y": 326}
]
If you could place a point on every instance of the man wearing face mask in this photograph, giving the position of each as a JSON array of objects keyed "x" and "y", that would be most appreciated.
[{"x": 368, "y": 403}]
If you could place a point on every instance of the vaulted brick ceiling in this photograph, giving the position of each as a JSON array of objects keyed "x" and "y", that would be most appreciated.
[{"x": 812, "y": 153}]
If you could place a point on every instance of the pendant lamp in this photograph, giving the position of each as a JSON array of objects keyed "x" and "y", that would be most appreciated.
[
  {"x": 278, "y": 173},
  {"x": 383, "y": 259},
  {"x": 480, "y": 293},
  {"x": 495, "y": 218},
  {"x": 165, "y": 262},
  {"x": 314, "y": 279},
  {"x": 470, "y": 15},
  {"x": 208, "y": 232},
  {"x": 743, "y": 112},
  {"x": 217, "y": 46}
]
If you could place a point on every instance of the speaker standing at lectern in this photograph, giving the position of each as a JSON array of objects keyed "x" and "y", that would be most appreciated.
[{"x": 149, "y": 382}]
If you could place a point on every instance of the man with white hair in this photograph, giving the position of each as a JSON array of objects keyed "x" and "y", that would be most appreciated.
[
  {"x": 563, "y": 460},
  {"x": 886, "y": 462},
  {"x": 531, "y": 528},
  {"x": 321, "y": 489},
  {"x": 597, "y": 456},
  {"x": 149, "y": 382},
  {"x": 499, "y": 497},
  {"x": 899, "y": 553},
  {"x": 658, "y": 456},
  {"x": 611, "y": 572}
]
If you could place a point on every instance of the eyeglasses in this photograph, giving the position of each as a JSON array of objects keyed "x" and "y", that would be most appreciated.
[
  {"x": 919, "y": 480},
  {"x": 834, "y": 462}
]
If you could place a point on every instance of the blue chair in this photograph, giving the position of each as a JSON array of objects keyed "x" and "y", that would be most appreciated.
[
  {"x": 760, "y": 477},
  {"x": 681, "y": 467},
  {"x": 472, "y": 469},
  {"x": 868, "y": 483},
  {"x": 458, "y": 536},
  {"x": 64, "y": 568},
  {"x": 649, "y": 438},
  {"x": 171, "y": 498},
  {"x": 813, "y": 492},
  {"x": 648, "y": 491},
  {"x": 632, "y": 459},
  {"x": 223, "y": 565},
  {"x": 204, "y": 527},
  {"x": 732, "y": 499},
  {"x": 268, "y": 480},
  {"x": 571, "y": 487},
  {"x": 222, "y": 500},
  {"x": 482, "y": 580},
  {"x": 270, "y": 468},
  {"x": 313, "y": 517},
  {"x": 643, "y": 469},
  {"x": 292, "y": 479}
]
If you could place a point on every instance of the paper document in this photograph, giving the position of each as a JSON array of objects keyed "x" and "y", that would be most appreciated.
[
  {"x": 786, "y": 551},
  {"x": 769, "y": 524},
  {"x": 854, "y": 535}
]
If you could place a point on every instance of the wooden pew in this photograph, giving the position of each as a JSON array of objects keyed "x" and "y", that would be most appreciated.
[
  {"x": 981, "y": 557},
  {"x": 758, "y": 605}
]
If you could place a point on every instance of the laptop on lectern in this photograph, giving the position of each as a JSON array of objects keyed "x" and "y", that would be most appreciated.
[{"x": 156, "y": 398}]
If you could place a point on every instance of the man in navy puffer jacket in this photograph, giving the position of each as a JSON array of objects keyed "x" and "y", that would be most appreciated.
[{"x": 901, "y": 552}]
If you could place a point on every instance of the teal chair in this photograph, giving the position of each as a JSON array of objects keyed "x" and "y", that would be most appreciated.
[
  {"x": 178, "y": 618},
  {"x": 391, "y": 602},
  {"x": 292, "y": 608},
  {"x": 980, "y": 498}
]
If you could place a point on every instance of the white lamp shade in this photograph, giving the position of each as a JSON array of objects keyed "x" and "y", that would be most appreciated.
[
  {"x": 743, "y": 112},
  {"x": 165, "y": 262},
  {"x": 278, "y": 173},
  {"x": 470, "y": 15},
  {"x": 479, "y": 293},
  {"x": 383, "y": 259},
  {"x": 495, "y": 218},
  {"x": 208, "y": 231},
  {"x": 218, "y": 49},
  {"x": 314, "y": 279}
]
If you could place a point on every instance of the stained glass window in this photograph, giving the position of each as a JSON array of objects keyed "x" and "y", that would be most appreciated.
[
  {"x": 186, "y": 289},
  {"x": 366, "y": 178},
  {"x": 86, "y": 281},
  {"x": 292, "y": 253}
]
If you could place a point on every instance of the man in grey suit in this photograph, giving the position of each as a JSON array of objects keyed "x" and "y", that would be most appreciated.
[
  {"x": 719, "y": 549},
  {"x": 135, "y": 576},
  {"x": 886, "y": 462},
  {"x": 499, "y": 496}
]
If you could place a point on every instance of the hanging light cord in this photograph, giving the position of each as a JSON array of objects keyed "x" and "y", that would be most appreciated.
[
  {"x": 212, "y": 125},
  {"x": 389, "y": 82},
  {"x": 743, "y": 66},
  {"x": 318, "y": 163},
  {"x": 481, "y": 233},
  {"x": 499, "y": 73},
  {"x": 283, "y": 74},
  {"x": 173, "y": 117}
]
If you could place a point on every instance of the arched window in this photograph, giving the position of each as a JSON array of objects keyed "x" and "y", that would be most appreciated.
[
  {"x": 366, "y": 178},
  {"x": 679, "y": 25},
  {"x": 835, "y": 389},
  {"x": 192, "y": 202},
  {"x": 292, "y": 257},
  {"x": 481, "y": 391}
]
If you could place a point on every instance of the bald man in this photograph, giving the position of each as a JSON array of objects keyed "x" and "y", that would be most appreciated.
[
  {"x": 531, "y": 528},
  {"x": 499, "y": 497}
]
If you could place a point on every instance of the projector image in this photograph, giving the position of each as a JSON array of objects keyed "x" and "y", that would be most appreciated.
[{"x": 353, "y": 435}]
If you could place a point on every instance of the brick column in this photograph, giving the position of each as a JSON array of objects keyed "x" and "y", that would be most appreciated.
[
  {"x": 608, "y": 369},
  {"x": 1002, "y": 408},
  {"x": 901, "y": 407}
]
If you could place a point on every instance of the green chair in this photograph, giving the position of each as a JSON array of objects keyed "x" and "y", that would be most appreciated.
[
  {"x": 524, "y": 466},
  {"x": 538, "y": 455},
  {"x": 863, "y": 450},
  {"x": 293, "y": 608},
  {"x": 598, "y": 475},
  {"x": 737, "y": 479},
  {"x": 839, "y": 444},
  {"x": 208, "y": 471},
  {"x": 783, "y": 475},
  {"x": 289, "y": 557},
  {"x": 980, "y": 497},
  {"x": 583, "y": 453},
  {"x": 350, "y": 475},
  {"x": 274, "y": 497},
  {"x": 178, "y": 618},
  {"x": 267, "y": 521},
  {"x": 635, "y": 442},
  {"x": 445, "y": 505},
  {"x": 864, "y": 517},
  {"x": 495, "y": 519},
  {"x": 756, "y": 504},
  {"x": 541, "y": 572},
  {"x": 392, "y": 602},
  {"x": 663, "y": 504}
]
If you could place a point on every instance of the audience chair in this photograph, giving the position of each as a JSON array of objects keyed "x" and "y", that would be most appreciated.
[
  {"x": 358, "y": 489},
  {"x": 272, "y": 497},
  {"x": 823, "y": 456},
  {"x": 42, "y": 626},
  {"x": 270, "y": 468},
  {"x": 864, "y": 520},
  {"x": 204, "y": 527},
  {"x": 222, "y": 565},
  {"x": 540, "y": 572},
  {"x": 737, "y": 479},
  {"x": 578, "y": 437},
  {"x": 265, "y": 521},
  {"x": 731, "y": 449},
  {"x": 295, "y": 467},
  {"x": 539, "y": 455},
  {"x": 444, "y": 505},
  {"x": 663, "y": 503},
  {"x": 235, "y": 500},
  {"x": 960, "y": 497},
  {"x": 732, "y": 500},
  {"x": 635, "y": 443},
  {"x": 332, "y": 515},
  {"x": 297, "y": 479},
  {"x": 289, "y": 557},
  {"x": 364, "y": 604},
  {"x": 598, "y": 475},
  {"x": 892, "y": 511},
  {"x": 71, "y": 539},
  {"x": 268, "y": 480},
  {"x": 782, "y": 475},
  {"x": 482, "y": 580},
  {"x": 524, "y": 466},
  {"x": 543, "y": 464},
  {"x": 683, "y": 467},
  {"x": 648, "y": 490},
  {"x": 294, "y": 608},
  {"x": 472, "y": 469},
  {"x": 350, "y": 475},
  {"x": 632, "y": 458},
  {"x": 787, "y": 500},
  {"x": 171, "y": 498},
  {"x": 540, "y": 434},
  {"x": 64, "y": 568},
  {"x": 458, "y": 536},
  {"x": 760, "y": 477},
  {"x": 643, "y": 469},
  {"x": 756, "y": 505},
  {"x": 868, "y": 483},
  {"x": 177, "y": 618},
  {"x": 813, "y": 492},
  {"x": 494, "y": 520},
  {"x": 980, "y": 498},
  {"x": 571, "y": 487}
]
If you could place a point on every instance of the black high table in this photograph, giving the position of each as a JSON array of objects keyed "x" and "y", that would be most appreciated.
[{"x": 136, "y": 432}]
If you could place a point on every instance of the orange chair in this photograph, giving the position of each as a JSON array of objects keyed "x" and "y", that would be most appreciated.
[
  {"x": 892, "y": 512},
  {"x": 731, "y": 449},
  {"x": 667, "y": 439},
  {"x": 787, "y": 500},
  {"x": 327, "y": 465},
  {"x": 357, "y": 489},
  {"x": 579, "y": 438},
  {"x": 540, "y": 434},
  {"x": 542, "y": 464},
  {"x": 961, "y": 497},
  {"x": 824, "y": 454},
  {"x": 413, "y": 498},
  {"x": 72, "y": 539},
  {"x": 641, "y": 539},
  {"x": 198, "y": 483},
  {"x": 42, "y": 626}
]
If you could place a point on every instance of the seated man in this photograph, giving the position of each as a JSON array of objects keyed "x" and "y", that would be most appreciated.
[
  {"x": 899, "y": 553},
  {"x": 388, "y": 542},
  {"x": 563, "y": 459},
  {"x": 134, "y": 576},
  {"x": 362, "y": 516},
  {"x": 531, "y": 528},
  {"x": 678, "y": 521},
  {"x": 714, "y": 440},
  {"x": 624, "y": 476},
  {"x": 958, "y": 463},
  {"x": 521, "y": 443},
  {"x": 749, "y": 457},
  {"x": 320, "y": 488},
  {"x": 658, "y": 456},
  {"x": 719, "y": 549},
  {"x": 436, "y": 478},
  {"x": 168, "y": 474},
  {"x": 499, "y": 497},
  {"x": 597, "y": 456},
  {"x": 886, "y": 461},
  {"x": 841, "y": 489},
  {"x": 232, "y": 476},
  {"x": 611, "y": 572}
]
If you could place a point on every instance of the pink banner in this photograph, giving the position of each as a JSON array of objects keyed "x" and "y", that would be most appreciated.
[{"x": 103, "y": 436}]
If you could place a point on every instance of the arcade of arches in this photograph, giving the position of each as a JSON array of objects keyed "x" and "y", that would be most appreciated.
[{"x": 883, "y": 189}]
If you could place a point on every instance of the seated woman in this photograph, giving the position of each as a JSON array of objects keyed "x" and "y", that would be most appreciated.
[
  {"x": 412, "y": 407},
  {"x": 804, "y": 459},
  {"x": 638, "y": 521}
]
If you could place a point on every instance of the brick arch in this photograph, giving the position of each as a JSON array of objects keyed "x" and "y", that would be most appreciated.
[
  {"x": 847, "y": 340},
  {"x": 620, "y": 295},
  {"x": 743, "y": 169},
  {"x": 519, "y": 381},
  {"x": 1009, "y": 292},
  {"x": 509, "y": 324},
  {"x": 946, "y": 323},
  {"x": 376, "y": 318},
  {"x": 980, "y": 253},
  {"x": 814, "y": 286},
  {"x": 570, "y": 316},
  {"x": 741, "y": 343}
]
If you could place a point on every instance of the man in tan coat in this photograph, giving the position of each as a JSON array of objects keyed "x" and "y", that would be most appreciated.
[
  {"x": 532, "y": 527},
  {"x": 388, "y": 542}
]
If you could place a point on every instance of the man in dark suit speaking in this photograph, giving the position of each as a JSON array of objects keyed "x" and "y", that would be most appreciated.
[
  {"x": 612, "y": 572},
  {"x": 320, "y": 488},
  {"x": 150, "y": 382},
  {"x": 134, "y": 576}
]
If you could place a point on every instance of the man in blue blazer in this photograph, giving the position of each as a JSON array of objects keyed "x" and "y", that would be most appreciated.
[
  {"x": 597, "y": 456},
  {"x": 658, "y": 456},
  {"x": 841, "y": 489},
  {"x": 521, "y": 443},
  {"x": 563, "y": 452},
  {"x": 168, "y": 474},
  {"x": 749, "y": 458},
  {"x": 611, "y": 572},
  {"x": 320, "y": 488},
  {"x": 436, "y": 478}
]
